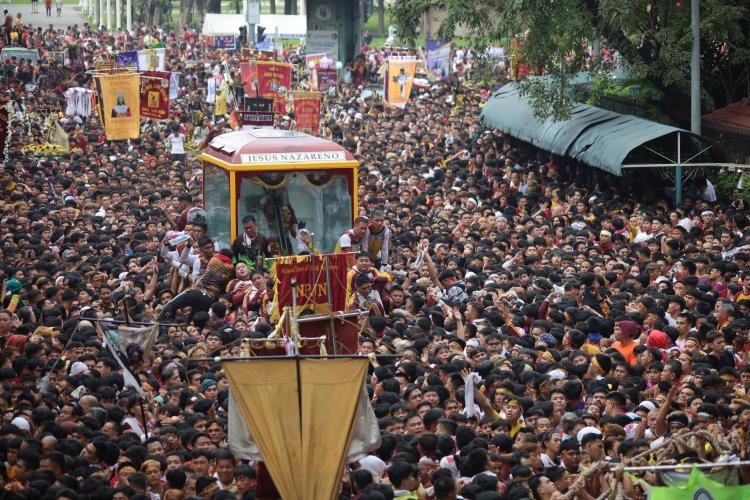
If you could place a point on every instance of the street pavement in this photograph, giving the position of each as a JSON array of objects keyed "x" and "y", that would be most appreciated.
[{"x": 71, "y": 15}]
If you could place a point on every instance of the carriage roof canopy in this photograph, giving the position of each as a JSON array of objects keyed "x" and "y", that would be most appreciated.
[{"x": 260, "y": 147}]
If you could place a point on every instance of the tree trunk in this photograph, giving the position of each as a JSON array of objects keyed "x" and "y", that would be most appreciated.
[
  {"x": 157, "y": 14},
  {"x": 200, "y": 11},
  {"x": 381, "y": 17},
  {"x": 237, "y": 7},
  {"x": 186, "y": 13},
  {"x": 213, "y": 6},
  {"x": 273, "y": 6},
  {"x": 148, "y": 13},
  {"x": 290, "y": 7}
]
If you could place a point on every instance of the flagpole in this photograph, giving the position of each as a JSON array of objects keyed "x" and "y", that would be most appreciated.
[
  {"x": 143, "y": 417},
  {"x": 646, "y": 468},
  {"x": 332, "y": 326},
  {"x": 122, "y": 322},
  {"x": 298, "y": 356}
]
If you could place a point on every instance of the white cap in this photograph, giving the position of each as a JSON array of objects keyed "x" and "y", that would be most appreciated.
[
  {"x": 556, "y": 374},
  {"x": 21, "y": 423},
  {"x": 642, "y": 237},
  {"x": 473, "y": 343},
  {"x": 587, "y": 430},
  {"x": 648, "y": 405},
  {"x": 77, "y": 368}
]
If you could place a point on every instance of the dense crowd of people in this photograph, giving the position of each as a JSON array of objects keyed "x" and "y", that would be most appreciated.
[{"x": 543, "y": 326}]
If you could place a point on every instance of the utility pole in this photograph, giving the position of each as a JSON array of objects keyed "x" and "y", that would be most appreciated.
[
  {"x": 695, "y": 87},
  {"x": 252, "y": 11},
  {"x": 695, "y": 68}
]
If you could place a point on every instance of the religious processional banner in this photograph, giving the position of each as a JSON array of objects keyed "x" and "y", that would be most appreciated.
[
  {"x": 274, "y": 81},
  {"x": 312, "y": 284},
  {"x": 247, "y": 74},
  {"x": 326, "y": 79},
  {"x": 438, "y": 60},
  {"x": 700, "y": 487},
  {"x": 128, "y": 345},
  {"x": 307, "y": 111},
  {"x": 155, "y": 95},
  {"x": 399, "y": 77},
  {"x": 120, "y": 105},
  {"x": 174, "y": 85},
  {"x": 152, "y": 59},
  {"x": 129, "y": 58}
]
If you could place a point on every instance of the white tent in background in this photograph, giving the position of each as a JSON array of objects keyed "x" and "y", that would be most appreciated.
[{"x": 229, "y": 24}]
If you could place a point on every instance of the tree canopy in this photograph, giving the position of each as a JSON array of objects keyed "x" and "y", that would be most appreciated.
[{"x": 652, "y": 38}]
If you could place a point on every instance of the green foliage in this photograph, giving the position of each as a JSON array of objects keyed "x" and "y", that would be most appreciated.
[
  {"x": 652, "y": 37},
  {"x": 725, "y": 183}
]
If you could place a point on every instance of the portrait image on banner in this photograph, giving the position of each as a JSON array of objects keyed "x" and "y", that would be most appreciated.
[
  {"x": 326, "y": 79},
  {"x": 155, "y": 95},
  {"x": 247, "y": 73},
  {"x": 438, "y": 60},
  {"x": 120, "y": 109},
  {"x": 399, "y": 77},
  {"x": 274, "y": 81},
  {"x": 307, "y": 111}
]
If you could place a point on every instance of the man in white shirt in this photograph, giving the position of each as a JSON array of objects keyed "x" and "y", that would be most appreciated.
[{"x": 176, "y": 142}]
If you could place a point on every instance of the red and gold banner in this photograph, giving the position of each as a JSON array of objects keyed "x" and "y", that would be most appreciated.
[
  {"x": 399, "y": 77},
  {"x": 307, "y": 111},
  {"x": 312, "y": 290},
  {"x": 155, "y": 95},
  {"x": 274, "y": 81}
]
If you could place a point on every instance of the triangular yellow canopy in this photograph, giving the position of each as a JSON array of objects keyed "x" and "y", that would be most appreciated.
[{"x": 301, "y": 413}]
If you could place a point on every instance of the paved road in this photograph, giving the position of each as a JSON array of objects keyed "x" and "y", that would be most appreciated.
[{"x": 70, "y": 14}]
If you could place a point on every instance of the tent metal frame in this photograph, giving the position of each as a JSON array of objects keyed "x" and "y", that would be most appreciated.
[{"x": 678, "y": 164}]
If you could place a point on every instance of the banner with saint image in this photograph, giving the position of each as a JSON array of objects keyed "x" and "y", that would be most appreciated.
[
  {"x": 119, "y": 97},
  {"x": 155, "y": 95}
]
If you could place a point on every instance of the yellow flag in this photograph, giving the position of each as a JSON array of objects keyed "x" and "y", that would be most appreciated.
[
  {"x": 120, "y": 96},
  {"x": 399, "y": 77},
  {"x": 220, "y": 107}
]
